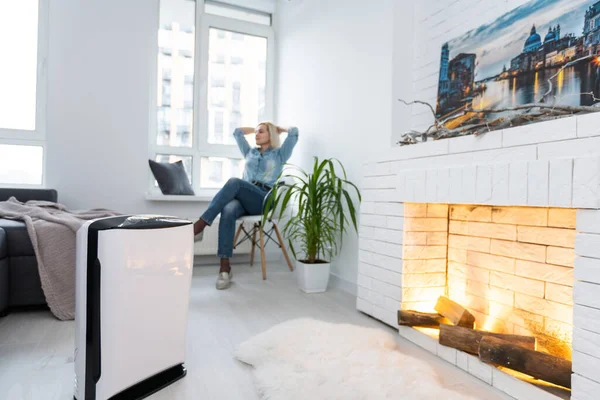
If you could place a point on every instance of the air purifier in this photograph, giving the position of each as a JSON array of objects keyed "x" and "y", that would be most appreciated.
[{"x": 133, "y": 278}]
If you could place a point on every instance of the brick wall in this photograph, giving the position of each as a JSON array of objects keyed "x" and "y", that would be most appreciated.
[
  {"x": 380, "y": 260},
  {"x": 586, "y": 312},
  {"x": 551, "y": 164},
  {"x": 513, "y": 267},
  {"x": 424, "y": 255}
]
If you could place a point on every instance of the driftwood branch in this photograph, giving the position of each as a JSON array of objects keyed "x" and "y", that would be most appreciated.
[
  {"x": 570, "y": 109},
  {"x": 476, "y": 121},
  {"x": 419, "y": 102},
  {"x": 594, "y": 98},
  {"x": 567, "y": 65}
]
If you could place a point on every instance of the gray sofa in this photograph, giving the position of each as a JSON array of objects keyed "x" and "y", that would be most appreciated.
[{"x": 20, "y": 285}]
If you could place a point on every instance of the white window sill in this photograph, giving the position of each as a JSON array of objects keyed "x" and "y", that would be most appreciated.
[{"x": 201, "y": 197}]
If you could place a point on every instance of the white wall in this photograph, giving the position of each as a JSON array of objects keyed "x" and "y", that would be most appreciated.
[
  {"x": 403, "y": 54},
  {"x": 335, "y": 84},
  {"x": 99, "y": 105}
]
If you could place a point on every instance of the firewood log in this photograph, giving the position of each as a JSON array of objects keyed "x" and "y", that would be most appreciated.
[
  {"x": 455, "y": 313},
  {"x": 468, "y": 340},
  {"x": 539, "y": 365},
  {"x": 416, "y": 318}
]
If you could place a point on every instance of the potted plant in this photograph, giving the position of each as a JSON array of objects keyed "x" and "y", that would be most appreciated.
[{"x": 320, "y": 211}]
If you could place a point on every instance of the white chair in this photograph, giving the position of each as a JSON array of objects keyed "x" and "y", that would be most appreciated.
[{"x": 256, "y": 228}]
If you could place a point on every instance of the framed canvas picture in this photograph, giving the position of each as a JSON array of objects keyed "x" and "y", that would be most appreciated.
[{"x": 543, "y": 52}]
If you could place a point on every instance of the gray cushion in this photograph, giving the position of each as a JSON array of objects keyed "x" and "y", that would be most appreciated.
[{"x": 171, "y": 178}]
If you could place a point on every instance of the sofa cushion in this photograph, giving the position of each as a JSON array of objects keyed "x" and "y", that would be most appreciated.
[
  {"x": 4, "y": 285},
  {"x": 3, "y": 244},
  {"x": 25, "y": 285},
  {"x": 17, "y": 238},
  {"x": 171, "y": 178},
  {"x": 24, "y": 195}
]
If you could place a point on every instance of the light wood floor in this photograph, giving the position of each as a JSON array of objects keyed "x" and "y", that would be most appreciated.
[{"x": 36, "y": 349}]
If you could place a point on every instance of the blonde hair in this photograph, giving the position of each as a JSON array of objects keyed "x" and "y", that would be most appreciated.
[{"x": 273, "y": 134}]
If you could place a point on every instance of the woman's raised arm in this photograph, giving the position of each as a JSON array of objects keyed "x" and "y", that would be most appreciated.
[{"x": 239, "y": 135}]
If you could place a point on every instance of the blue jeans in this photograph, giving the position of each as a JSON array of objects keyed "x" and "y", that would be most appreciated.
[{"x": 235, "y": 199}]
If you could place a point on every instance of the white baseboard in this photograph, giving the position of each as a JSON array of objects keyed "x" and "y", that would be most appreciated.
[{"x": 343, "y": 284}]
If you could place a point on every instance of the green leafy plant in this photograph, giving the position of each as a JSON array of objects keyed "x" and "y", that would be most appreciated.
[{"x": 321, "y": 209}]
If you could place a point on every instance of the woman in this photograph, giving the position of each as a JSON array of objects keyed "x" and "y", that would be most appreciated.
[{"x": 245, "y": 196}]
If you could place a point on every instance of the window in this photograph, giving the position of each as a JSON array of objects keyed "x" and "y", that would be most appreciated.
[
  {"x": 216, "y": 133},
  {"x": 228, "y": 11},
  {"x": 216, "y": 171},
  {"x": 175, "y": 97},
  {"x": 21, "y": 164},
  {"x": 210, "y": 79},
  {"x": 245, "y": 53},
  {"x": 23, "y": 48}
]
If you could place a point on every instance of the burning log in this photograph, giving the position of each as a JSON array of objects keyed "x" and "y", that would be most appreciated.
[
  {"x": 539, "y": 365},
  {"x": 468, "y": 340},
  {"x": 455, "y": 313},
  {"x": 416, "y": 318}
]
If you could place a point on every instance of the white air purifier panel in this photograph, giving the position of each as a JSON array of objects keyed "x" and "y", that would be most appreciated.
[{"x": 132, "y": 299}]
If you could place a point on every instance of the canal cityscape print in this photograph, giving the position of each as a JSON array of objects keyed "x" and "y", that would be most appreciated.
[{"x": 544, "y": 51}]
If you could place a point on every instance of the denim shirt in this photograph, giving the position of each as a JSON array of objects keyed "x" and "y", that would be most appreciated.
[{"x": 265, "y": 167}]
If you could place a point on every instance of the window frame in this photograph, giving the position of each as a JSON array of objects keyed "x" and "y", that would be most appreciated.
[
  {"x": 36, "y": 137},
  {"x": 200, "y": 146}
]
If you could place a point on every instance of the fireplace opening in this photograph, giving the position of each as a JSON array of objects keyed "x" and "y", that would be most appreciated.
[{"x": 494, "y": 282}]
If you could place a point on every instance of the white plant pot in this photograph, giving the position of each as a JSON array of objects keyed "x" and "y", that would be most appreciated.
[{"x": 313, "y": 278}]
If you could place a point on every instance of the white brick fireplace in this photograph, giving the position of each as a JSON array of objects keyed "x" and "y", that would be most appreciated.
[{"x": 452, "y": 217}]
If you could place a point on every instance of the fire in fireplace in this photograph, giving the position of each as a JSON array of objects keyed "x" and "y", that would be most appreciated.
[{"x": 496, "y": 282}]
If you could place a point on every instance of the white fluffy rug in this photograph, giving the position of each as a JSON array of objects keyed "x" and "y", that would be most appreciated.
[{"x": 310, "y": 359}]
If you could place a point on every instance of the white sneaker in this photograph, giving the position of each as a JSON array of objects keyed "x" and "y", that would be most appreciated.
[{"x": 224, "y": 280}]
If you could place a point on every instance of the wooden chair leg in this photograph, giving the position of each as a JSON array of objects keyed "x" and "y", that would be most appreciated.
[
  {"x": 237, "y": 235},
  {"x": 283, "y": 249},
  {"x": 253, "y": 243},
  {"x": 262, "y": 252}
]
